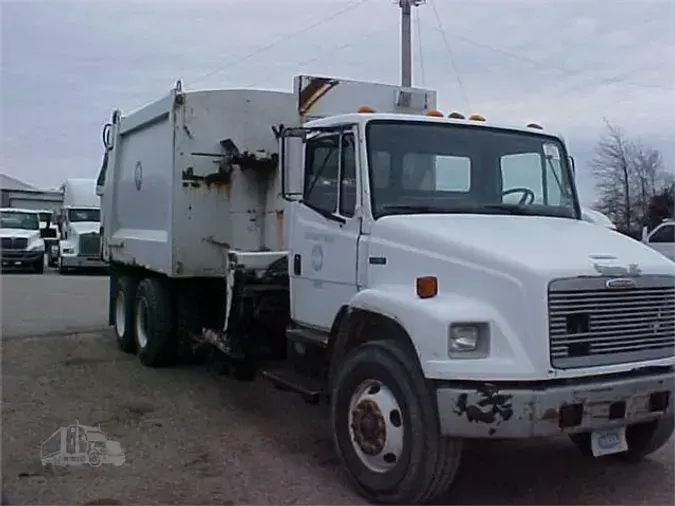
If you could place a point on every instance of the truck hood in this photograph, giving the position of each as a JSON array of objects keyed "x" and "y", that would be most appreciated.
[
  {"x": 86, "y": 227},
  {"x": 18, "y": 232},
  {"x": 551, "y": 247}
]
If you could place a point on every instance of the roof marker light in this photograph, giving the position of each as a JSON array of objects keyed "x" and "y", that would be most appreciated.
[
  {"x": 364, "y": 109},
  {"x": 456, "y": 115},
  {"x": 476, "y": 117},
  {"x": 434, "y": 113},
  {"x": 535, "y": 125}
]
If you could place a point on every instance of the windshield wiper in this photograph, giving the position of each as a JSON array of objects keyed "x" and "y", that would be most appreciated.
[
  {"x": 421, "y": 208},
  {"x": 509, "y": 208}
]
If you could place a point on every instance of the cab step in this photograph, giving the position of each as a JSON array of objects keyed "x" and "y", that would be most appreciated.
[
  {"x": 287, "y": 379},
  {"x": 307, "y": 336}
]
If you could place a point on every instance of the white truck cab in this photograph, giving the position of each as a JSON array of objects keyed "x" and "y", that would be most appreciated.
[
  {"x": 431, "y": 277},
  {"x": 22, "y": 244},
  {"x": 79, "y": 222},
  {"x": 661, "y": 238}
]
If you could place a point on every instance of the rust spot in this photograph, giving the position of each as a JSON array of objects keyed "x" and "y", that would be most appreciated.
[{"x": 550, "y": 415}]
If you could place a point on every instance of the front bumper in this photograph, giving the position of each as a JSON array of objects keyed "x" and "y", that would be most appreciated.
[
  {"x": 17, "y": 258},
  {"x": 483, "y": 410},
  {"x": 82, "y": 262}
]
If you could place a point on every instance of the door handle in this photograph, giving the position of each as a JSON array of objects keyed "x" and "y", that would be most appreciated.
[{"x": 297, "y": 265}]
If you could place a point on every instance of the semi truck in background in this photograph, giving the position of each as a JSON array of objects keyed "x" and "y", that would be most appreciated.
[
  {"x": 306, "y": 237},
  {"x": 79, "y": 222}
]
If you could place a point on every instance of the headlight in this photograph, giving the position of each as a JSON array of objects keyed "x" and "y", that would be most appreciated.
[{"x": 469, "y": 339}]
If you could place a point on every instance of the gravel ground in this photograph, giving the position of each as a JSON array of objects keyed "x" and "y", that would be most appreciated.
[{"x": 193, "y": 437}]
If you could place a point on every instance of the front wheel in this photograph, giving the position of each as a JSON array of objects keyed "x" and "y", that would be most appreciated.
[
  {"x": 385, "y": 427},
  {"x": 643, "y": 439},
  {"x": 39, "y": 266}
]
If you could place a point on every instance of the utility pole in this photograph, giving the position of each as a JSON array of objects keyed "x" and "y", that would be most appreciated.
[{"x": 406, "y": 39}]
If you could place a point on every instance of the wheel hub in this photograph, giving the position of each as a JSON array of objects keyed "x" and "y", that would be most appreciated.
[
  {"x": 376, "y": 426},
  {"x": 370, "y": 430}
]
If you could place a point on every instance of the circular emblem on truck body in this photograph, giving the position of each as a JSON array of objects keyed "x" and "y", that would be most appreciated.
[{"x": 138, "y": 175}]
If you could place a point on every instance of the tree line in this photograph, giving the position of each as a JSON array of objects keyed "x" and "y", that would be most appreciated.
[{"x": 634, "y": 186}]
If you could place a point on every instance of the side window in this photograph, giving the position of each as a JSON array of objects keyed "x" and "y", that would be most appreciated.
[
  {"x": 348, "y": 177},
  {"x": 321, "y": 173},
  {"x": 665, "y": 234},
  {"x": 453, "y": 174},
  {"x": 522, "y": 170}
]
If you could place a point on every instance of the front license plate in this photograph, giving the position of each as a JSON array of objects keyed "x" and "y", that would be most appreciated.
[{"x": 606, "y": 442}]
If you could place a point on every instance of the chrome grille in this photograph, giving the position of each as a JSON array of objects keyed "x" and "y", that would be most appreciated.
[
  {"x": 592, "y": 325},
  {"x": 90, "y": 244},
  {"x": 14, "y": 243}
]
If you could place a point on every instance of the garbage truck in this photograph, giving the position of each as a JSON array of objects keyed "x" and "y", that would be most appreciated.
[
  {"x": 429, "y": 276},
  {"x": 79, "y": 223}
]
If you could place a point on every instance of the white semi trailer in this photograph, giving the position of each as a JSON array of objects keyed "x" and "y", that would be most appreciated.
[{"x": 431, "y": 278}]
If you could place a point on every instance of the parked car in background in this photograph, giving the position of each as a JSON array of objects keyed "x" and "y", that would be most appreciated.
[{"x": 661, "y": 238}]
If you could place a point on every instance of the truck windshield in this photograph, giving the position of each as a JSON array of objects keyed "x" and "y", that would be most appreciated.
[
  {"x": 15, "y": 219},
  {"x": 75, "y": 215},
  {"x": 423, "y": 167}
]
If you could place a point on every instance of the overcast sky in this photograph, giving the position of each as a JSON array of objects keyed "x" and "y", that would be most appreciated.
[{"x": 564, "y": 63}]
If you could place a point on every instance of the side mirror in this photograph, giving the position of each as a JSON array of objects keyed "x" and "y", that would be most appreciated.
[{"x": 291, "y": 160}]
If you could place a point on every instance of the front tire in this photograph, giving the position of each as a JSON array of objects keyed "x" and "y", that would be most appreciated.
[
  {"x": 643, "y": 439},
  {"x": 39, "y": 266},
  {"x": 385, "y": 427},
  {"x": 153, "y": 329}
]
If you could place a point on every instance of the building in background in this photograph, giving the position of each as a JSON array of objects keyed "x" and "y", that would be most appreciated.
[{"x": 16, "y": 193}]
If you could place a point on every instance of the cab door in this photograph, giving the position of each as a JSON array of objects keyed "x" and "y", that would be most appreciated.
[{"x": 325, "y": 231}]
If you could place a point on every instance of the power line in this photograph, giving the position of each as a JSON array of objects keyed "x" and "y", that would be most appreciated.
[
  {"x": 283, "y": 38},
  {"x": 544, "y": 66},
  {"x": 336, "y": 49},
  {"x": 450, "y": 54}
]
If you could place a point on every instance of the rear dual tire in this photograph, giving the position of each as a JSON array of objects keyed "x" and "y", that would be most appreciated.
[
  {"x": 143, "y": 320},
  {"x": 153, "y": 323},
  {"x": 405, "y": 459}
]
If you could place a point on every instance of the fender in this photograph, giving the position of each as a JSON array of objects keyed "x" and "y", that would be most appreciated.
[{"x": 427, "y": 323}]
